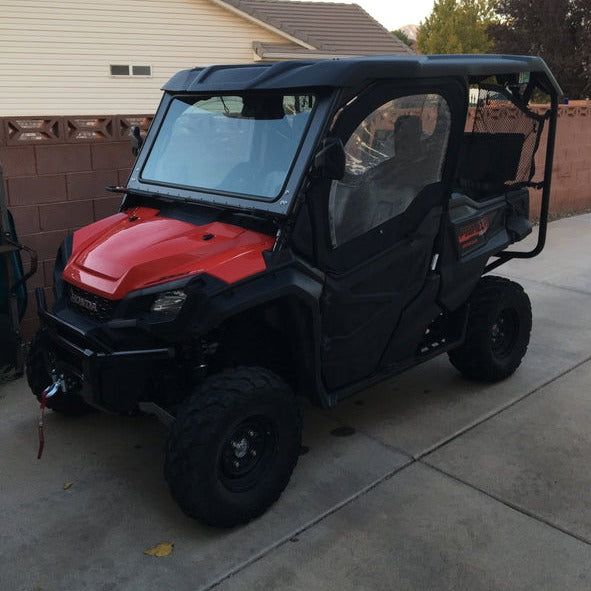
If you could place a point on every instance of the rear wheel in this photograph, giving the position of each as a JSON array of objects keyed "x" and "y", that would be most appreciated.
[
  {"x": 233, "y": 447},
  {"x": 498, "y": 331},
  {"x": 39, "y": 377}
]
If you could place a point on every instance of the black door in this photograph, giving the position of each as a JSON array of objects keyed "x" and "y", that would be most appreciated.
[{"x": 376, "y": 229}]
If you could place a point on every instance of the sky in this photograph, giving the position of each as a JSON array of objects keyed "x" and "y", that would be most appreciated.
[{"x": 396, "y": 13}]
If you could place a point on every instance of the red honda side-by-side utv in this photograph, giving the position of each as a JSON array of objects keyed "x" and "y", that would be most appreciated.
[{"x": 300, "y": 229}]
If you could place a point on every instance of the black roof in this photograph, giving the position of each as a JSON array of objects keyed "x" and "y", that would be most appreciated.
[{"x": 349, "y": 72}]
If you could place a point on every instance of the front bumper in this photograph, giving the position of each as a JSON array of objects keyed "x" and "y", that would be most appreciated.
[{"x": 112, "y": 380}]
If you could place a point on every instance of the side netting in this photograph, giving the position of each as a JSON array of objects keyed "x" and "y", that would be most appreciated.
[{"x": 501, "y": 140}]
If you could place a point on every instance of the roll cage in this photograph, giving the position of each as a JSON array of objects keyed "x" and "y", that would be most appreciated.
[{"x": 336, "y": 84}]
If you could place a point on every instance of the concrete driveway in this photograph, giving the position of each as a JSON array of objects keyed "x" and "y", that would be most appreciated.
[{"x": 440, "y": 484}]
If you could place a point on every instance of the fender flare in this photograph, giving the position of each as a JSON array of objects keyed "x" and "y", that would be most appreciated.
[{"x": 291, "y": 280}]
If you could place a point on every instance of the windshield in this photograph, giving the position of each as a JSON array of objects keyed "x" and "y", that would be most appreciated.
[{"x": 229, "y": 144}]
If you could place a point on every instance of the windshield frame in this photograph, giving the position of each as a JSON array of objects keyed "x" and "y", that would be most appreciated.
[{"x": 295, "y": 175}]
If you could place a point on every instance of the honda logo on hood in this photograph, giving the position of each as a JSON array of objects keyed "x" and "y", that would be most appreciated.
[{"x": 85, "y": 303}]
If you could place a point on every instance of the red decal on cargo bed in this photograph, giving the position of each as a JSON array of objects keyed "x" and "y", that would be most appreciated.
[{"x": 470, "y": 234}]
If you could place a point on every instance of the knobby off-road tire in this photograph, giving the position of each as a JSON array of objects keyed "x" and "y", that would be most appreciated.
[
  {"x": 233, "y": 446},
  {"x": 39, "y": 378},
  {"x": 498, "y": 331}
]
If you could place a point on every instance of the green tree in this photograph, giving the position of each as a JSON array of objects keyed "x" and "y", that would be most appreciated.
[
  {"x": 557, "y": 30},
  {"x": 403, "y": 37},
  {"x": 457, "y": 26}
]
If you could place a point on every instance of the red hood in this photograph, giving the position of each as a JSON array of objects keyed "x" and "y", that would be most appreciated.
[{"x": 138, "y": 249}]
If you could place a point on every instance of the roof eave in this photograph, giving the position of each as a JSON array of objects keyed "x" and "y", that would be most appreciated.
[
  {"x": 263, "y": 24},
  {"x": 298, "y": 56},
  {"x": 262, "y": 54}
]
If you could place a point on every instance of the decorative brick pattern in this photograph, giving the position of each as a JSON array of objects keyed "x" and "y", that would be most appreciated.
[
  {"x": 126, "y": 122},
  {"x": 29, "y": 130},
  {"x": 90, "y": 129},
  {"x": 18, "y": 131}
]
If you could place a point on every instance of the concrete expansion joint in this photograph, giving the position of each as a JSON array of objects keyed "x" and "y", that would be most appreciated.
[
  {"x": 508, "y": 504},
  {"x": 558, "y": 286},
  {"x": 360, "y": 493},
  {"x": 497, "y": 411}
]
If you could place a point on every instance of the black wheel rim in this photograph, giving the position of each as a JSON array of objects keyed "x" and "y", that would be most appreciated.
[
  {"x": 247, "y": 453},
  {"x": 504, "y": 332}
]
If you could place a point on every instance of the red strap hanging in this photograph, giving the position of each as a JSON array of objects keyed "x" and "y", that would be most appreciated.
[
  {"x": 42, "y": 406},
  {"x": 47, "y": 393}
]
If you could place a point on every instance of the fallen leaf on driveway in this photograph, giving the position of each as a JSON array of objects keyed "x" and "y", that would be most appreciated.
[
  {"x": 160, "y": 550},
  {"x": 68, "y": 485}
]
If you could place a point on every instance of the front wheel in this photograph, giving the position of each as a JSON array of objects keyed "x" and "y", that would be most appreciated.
[
  {"x": 498, "y": 331},
  {"x": 233, "y": 446}
]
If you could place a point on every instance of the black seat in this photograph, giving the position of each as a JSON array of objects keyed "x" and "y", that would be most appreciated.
[
  {"x": 408, "y": 134},
  {"x": 489, "y": 163}
]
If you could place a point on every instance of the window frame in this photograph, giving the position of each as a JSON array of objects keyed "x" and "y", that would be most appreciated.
[
  {"x": 283, "y": 205},
  {"x": 130, "y": 68},
  {"x": 111, "y": 66},
  {"x": 347, "y": 116},
  {"x": 443, "y": 106},
  {"x": 134, "y": 75},
  {"x": 219, "y": 192}
]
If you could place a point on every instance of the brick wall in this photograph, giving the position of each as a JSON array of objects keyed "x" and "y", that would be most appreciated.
[
  {"x": 571, "y": 178},
  {"x": 56, "y": 171}
]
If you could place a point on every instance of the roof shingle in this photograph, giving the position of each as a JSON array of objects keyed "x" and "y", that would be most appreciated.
[{"x": 330, "y": 27}]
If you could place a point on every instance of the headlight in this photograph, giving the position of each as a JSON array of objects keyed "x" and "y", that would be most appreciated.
[{"x": 169, "y": 303}]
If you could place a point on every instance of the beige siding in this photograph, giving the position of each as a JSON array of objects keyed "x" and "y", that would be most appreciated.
[{"x": 55, "y": 54}]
